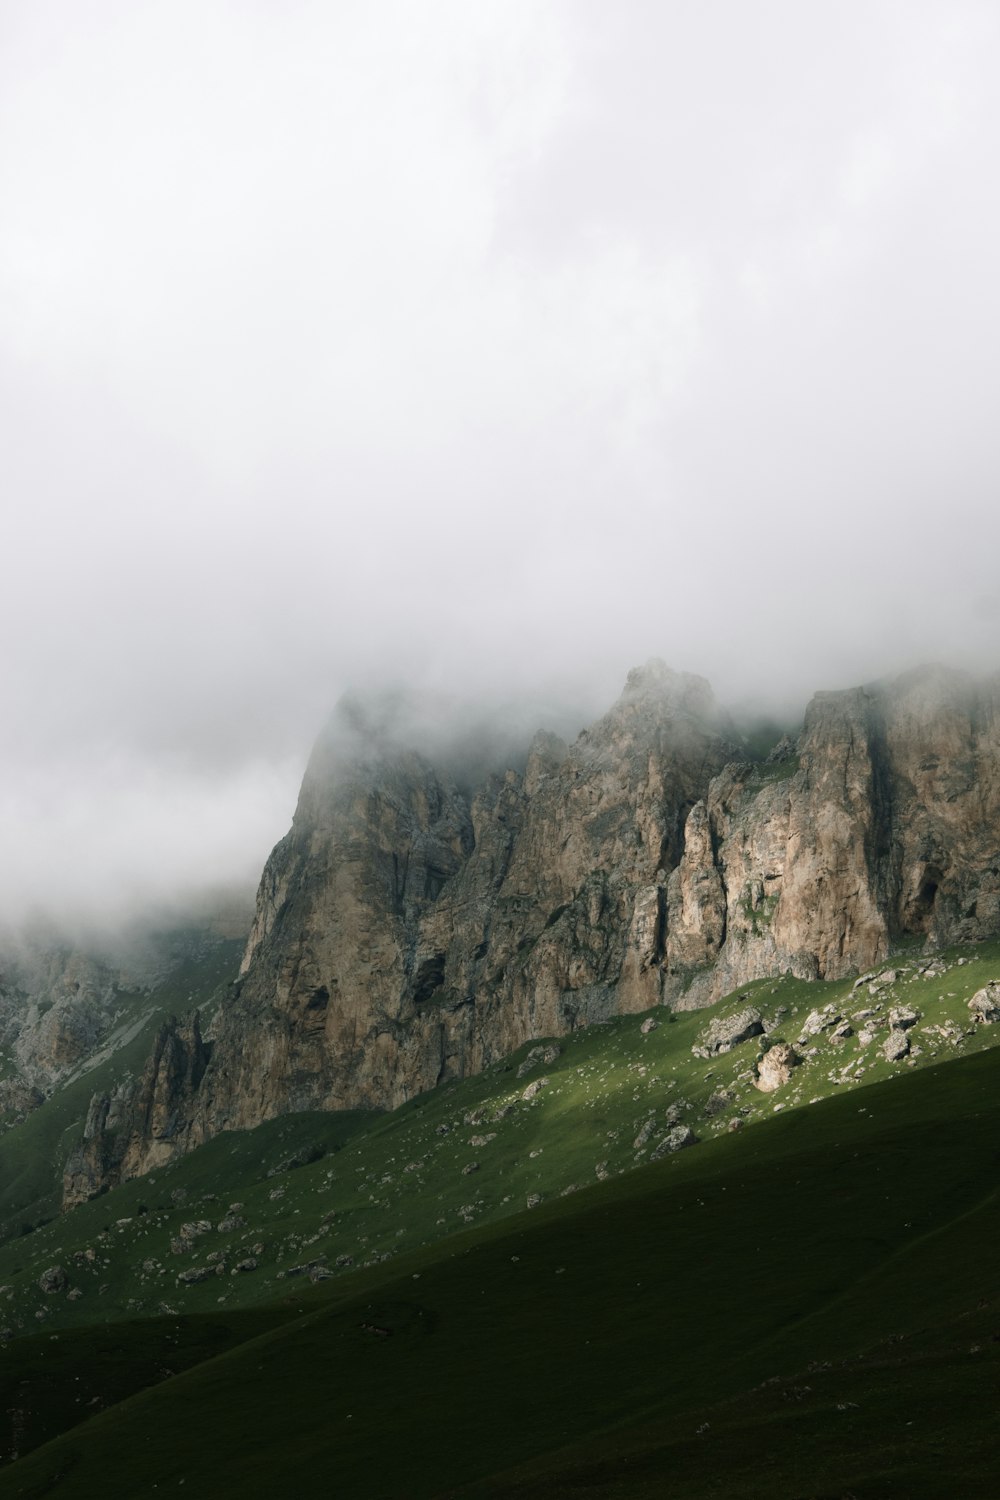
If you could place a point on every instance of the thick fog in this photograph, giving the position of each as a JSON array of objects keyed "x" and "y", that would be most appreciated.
[{"x": 490, "y": 348}]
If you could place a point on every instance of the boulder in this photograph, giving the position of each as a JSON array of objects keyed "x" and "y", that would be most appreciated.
[
  {"x": 195, "y": 1274},
  {"x": 817, "y": 1021},
  {"x": 896, "y": 1045},
  {"x": 675, "y": 1140},
  {"x": 53, "y": 1280},
  {"x": 726, "y": 1032},
  {"x": 195, "y": 1227},
  {"x": 547, "y": 1054},
  {"x": 985, "y": 1004},
  {"x": 775, "y": 1067}
]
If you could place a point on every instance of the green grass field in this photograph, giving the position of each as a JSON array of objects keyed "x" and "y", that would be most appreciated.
[
  {"x": 805, "y": 1309},
  {"x": 801, "y": 1285}
]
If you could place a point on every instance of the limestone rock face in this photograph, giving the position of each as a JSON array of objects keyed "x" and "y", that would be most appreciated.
[
  {"x": 409, "y": 930},
  {"x": 405, "y": 935},
  {"x": 886, "y": 823}
]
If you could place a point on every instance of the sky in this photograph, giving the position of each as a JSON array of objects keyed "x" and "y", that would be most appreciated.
[{"x": 489, "y": 346}]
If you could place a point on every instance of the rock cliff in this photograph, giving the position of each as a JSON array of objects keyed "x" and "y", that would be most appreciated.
[
  {"x": 882, "y": 825},
  {"x": 407, "y": 932}
]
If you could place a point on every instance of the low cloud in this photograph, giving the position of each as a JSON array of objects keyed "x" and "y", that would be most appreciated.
[{"x": 488, "y": 349}]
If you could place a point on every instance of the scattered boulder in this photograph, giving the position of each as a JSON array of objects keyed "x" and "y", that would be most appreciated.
[
  {"x": 243, "y": 1266},
  {"x": 718, "y": 1103},
  {"x": 896, "y": 1045},
  {"x": 53, "y": 1280},
  {"x": 674, "y": 1140},
  {"x": 726, "y": 1032},
  {"x": 195, "y": 1227},
  {"x": 231, "y": 1222},
  {"x": 842, "y": 1032},
  {"x": 546, "y": 1055},
  {"x": 985, "y": 1004},
  {"x": 817, "y": 1021},
  {"x": 534, "y": 1199},
  {"x": 645, "y": 1134},
  {"x": 775, "y": 1067},
  {"x": 901, "y": 1017},
  {"x": 648, "y": 1025},
  {"x": 196, "y": 1273},
  {"x": 534, "y": 1089},
  {"x": 470, "y": 1166}
]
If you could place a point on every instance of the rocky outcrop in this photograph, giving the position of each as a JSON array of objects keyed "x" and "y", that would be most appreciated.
[
  {"x": 405, "y": 935},
  {"x": 409, "y": 931},
  {"x": 141, "y": 1124},
  {"x": 56, "y": 1007},
  {"x": 882, "y": 825}
]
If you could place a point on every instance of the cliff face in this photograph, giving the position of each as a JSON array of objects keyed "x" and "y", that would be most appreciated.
[
  {"x": 405, "y": 935},
  {"x": 884, "y": 825},
  {"x": 142, "y": 1124}
]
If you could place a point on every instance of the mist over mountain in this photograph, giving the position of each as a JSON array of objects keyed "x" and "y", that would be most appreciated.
[{"x": 485, "y": 349}]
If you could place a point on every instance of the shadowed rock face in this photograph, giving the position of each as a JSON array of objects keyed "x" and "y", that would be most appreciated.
[
  {"x": 406, "y": 934},
  {"x": 141, "y": 1125}
]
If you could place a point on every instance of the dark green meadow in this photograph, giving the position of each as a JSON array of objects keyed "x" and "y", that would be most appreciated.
[{"x": 807, "y": 1308}]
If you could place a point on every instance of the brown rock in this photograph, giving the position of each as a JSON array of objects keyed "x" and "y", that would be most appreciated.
[{"x": 775, "y": 1067}]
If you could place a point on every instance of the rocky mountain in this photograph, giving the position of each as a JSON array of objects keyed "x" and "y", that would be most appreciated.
[
  {"x": 67, "y": 1006},
  {"x": 409, "y": 931}
]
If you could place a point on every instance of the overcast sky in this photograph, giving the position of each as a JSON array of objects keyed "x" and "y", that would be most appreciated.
[{"x": 491, "y": 346}]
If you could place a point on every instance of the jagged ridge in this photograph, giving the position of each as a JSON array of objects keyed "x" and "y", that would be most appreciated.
[{"x": 406, "y": 934}]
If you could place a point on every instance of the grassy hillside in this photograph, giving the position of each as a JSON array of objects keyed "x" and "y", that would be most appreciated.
[
  {"x": 33, "y": 1154},
  {"x": 315, "y": 1190},
  {"x": 808, "y": 1308}
]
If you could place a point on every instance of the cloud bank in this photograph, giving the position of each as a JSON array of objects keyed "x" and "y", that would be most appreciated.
[{"x": 488, "y": 348}]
